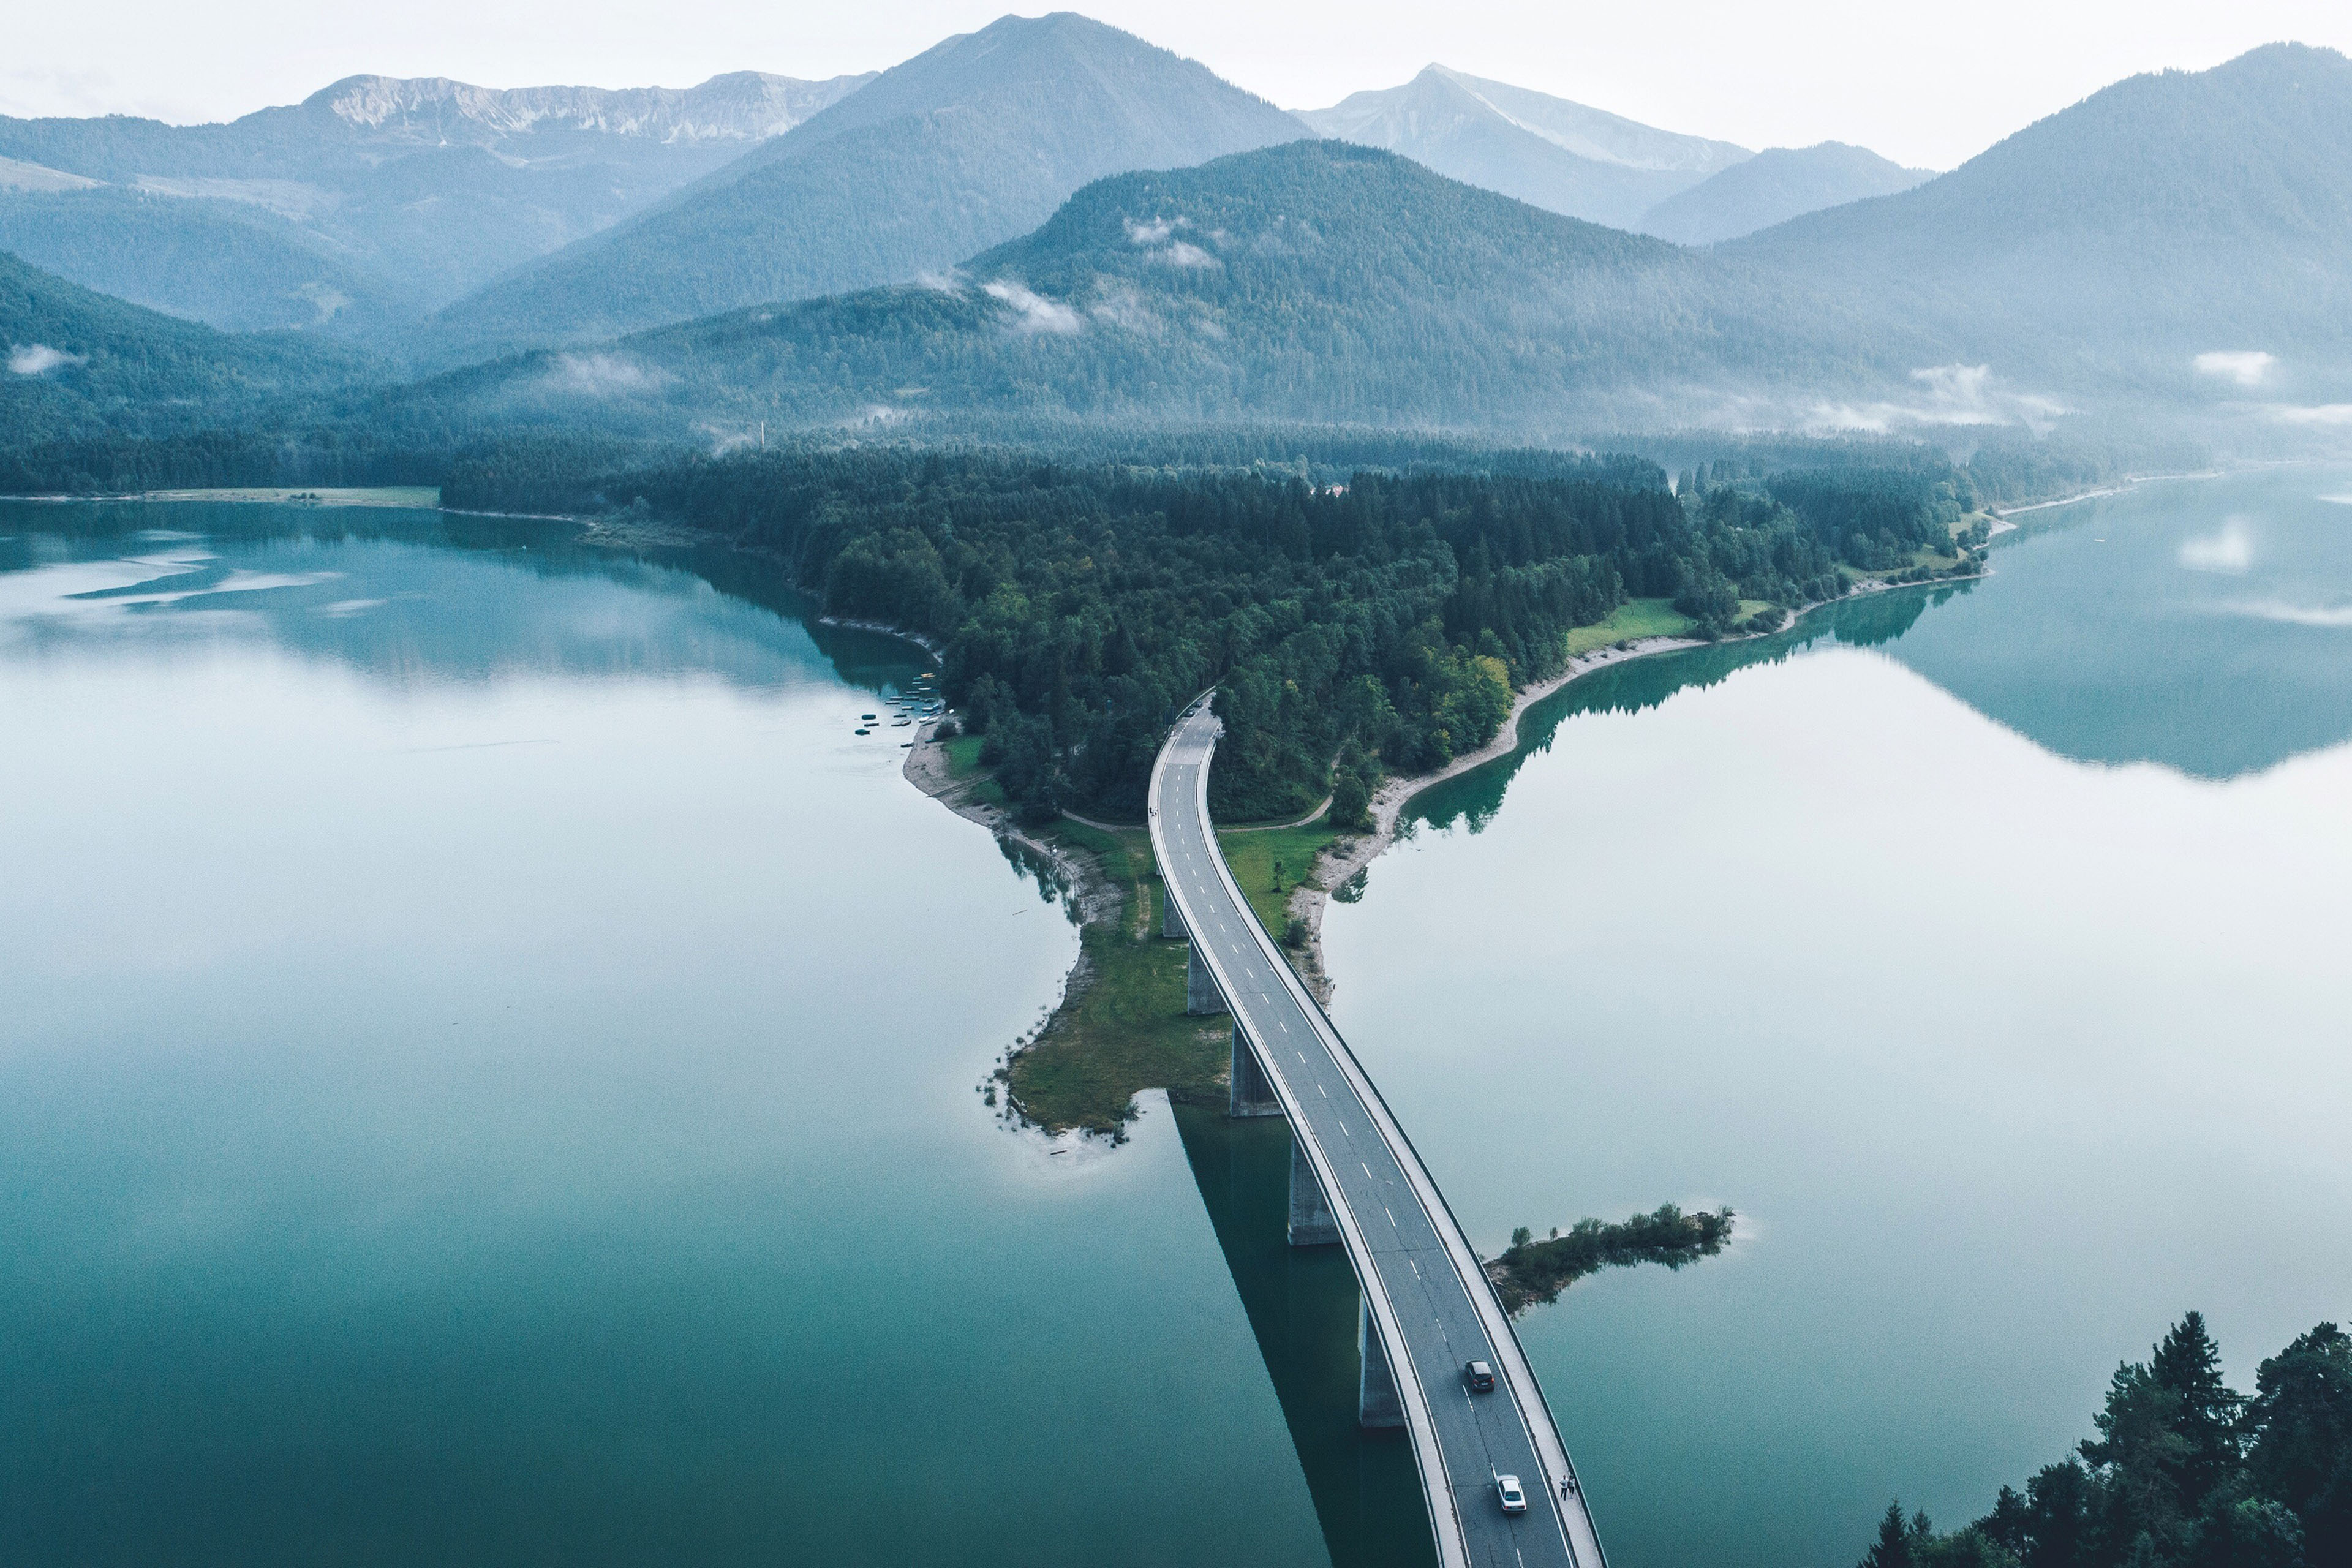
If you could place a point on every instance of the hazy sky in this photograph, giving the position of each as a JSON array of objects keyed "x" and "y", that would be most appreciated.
[{"x": 1926, "y": 84}]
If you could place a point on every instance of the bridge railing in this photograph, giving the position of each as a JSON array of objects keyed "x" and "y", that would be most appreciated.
[{"x": 1563, "y": 1489}]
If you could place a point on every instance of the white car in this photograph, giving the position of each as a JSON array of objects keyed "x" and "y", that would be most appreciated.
[{"x": 1507, "y": 1488}]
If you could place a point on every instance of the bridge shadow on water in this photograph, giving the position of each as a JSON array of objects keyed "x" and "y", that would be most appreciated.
[{"x": 1302, "y": 1305}]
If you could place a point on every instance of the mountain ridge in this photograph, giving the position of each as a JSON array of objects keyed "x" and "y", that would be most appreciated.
[
  {"x": 968, "y": 143},
  {"x": 2166, "y": 215},
  {"x": 1775, "y": 185},
  {"x": 1550, "y": 152},
  {"x": 393, "y": 195}
]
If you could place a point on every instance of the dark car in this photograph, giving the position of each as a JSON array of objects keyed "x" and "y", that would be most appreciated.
[{"x": 1479, "y": 1376}]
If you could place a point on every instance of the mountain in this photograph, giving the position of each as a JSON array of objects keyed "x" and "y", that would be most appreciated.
[
  {"x": 1312, "y": 281},
  {"x": 1775, "y": 185},
  {"x": 80, "y": 364},
  {"x": 232, "y": 265},
  {"x": 1547, "y": 152},
  {"x": 2110, "y": 245},
  {"x": 967, "y": 145},
  {"x": 371, "y": 201}
]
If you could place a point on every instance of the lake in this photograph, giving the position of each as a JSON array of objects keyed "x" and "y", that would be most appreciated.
[
  {"x": 489, "y": 1064},
  {"x": 1982, "y": 947},
  {"x": 488, "y": 1075}
]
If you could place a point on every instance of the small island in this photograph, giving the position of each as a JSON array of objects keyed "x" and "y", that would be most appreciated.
[{"x": 1534, "y": 1273}]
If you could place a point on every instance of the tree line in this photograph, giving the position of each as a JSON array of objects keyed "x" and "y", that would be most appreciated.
[
  {"x": 2185, "y": 1472},
  {"x": 1379, "y": 624}
]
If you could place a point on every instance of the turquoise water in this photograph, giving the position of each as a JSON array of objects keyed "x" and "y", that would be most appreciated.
[
  {"x": 487, "y": 1064},
  {"x": 1983, "y": 948},
  {"x": 488, "y": 1076}
]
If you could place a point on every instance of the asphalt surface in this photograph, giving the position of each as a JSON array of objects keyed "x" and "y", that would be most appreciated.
[{"x": 1419, "y": 1274}]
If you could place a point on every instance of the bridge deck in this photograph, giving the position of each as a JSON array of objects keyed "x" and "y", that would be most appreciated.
[{"x": 1423, "y": 1284}]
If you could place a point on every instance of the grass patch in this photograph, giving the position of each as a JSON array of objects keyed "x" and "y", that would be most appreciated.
[
  {"x": 1633, "y": 619},
  {"x": 1269, "y": 862},
  {"x": 424, "y": 496},
  {"x": 963, "y": 756},
  {"x": 1127, "y": 1031}
]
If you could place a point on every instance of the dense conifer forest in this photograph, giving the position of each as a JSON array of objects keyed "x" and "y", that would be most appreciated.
[
  {"x": 1381, "y": 623},
  {"x": 2185, "y": 1472}
]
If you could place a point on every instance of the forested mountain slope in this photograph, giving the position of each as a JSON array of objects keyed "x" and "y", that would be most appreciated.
[
  {"x": 79, "y": 363},
  {"x": 2164, "y": 218},
  {"x": 966, "y": 145},
  {"x": 371, "y": 201},
  {"x": 1547, "y": 152},
  {"x": 1313, "y": 282},
  {"x": 1775, "y": 185}
]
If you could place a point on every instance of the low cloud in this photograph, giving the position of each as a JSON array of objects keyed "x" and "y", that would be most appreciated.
[
  {"x": 1159, "y": 237},
  {"x": 1949, "y": 394},
  {"x": 1125, "y": 309},
  {"x": 2331, "y": 618},
  {"x": 2311, "y": 413},
  {"x": 603, "y": 375},
  {"x": 2230, "y": 549},
  {"x": 1183, "y": 253},
  {"x": 40, "y": 359},
  {"x": 1033, "y": 312},
  {"x": 325, "y": 299},
  {"x": 2247, "y": 368},
  {"x": 723, "y": 441},
  {"x": 947, "y": 282}
]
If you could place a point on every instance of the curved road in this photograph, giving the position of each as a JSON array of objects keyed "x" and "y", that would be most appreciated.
[{"x": 1426, "y": 1294}]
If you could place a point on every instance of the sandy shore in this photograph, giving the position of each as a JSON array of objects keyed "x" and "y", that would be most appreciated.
[{"x": 1351, "y": 854}]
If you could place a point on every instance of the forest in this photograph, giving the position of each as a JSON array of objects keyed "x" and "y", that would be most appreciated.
[
  {"x": 1351, "y": 628},
  {"x": 1533, "y": 1272},
  {"x": 2185, "y": 1472}
]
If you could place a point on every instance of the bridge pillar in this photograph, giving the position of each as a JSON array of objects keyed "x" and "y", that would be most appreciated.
[
  {"x": 1311, "y": 1220},
  {"x": 1249, "y": 1093},
  {"x": 1377, "y": 1402},
  {"x": 1201, "y": 994},
  {"x": 1171, "y": 924}
]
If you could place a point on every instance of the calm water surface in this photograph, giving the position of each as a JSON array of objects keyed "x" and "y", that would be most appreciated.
[
  {"x": 1986, "y": 951},
  {"x": 486, "y": 1069},
  {"x": 487, "y": 1076}
]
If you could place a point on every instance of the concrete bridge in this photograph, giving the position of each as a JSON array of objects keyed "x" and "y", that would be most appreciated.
[{"x": 1355, "y": 1181}]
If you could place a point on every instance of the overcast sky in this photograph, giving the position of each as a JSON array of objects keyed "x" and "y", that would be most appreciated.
[{"x": 1925, "y": 84}]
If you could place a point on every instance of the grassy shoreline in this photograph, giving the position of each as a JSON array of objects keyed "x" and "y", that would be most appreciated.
[{"x": 1120, "y": 1028}]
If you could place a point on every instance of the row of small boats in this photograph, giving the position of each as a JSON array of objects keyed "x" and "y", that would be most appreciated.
[{"x": 919, "y": 703}]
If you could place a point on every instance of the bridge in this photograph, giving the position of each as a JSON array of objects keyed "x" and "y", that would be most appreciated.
[{"x": 1355, "y": 1181}]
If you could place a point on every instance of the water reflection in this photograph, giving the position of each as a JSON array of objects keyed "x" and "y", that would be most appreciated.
[
  {"x": 421, "y": 1147},
  {"x": 417, "y": 596},
  {"x": 2202, "y": 626}
]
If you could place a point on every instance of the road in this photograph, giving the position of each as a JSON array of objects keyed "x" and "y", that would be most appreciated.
[{"x": 1421, "y": 1282}]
